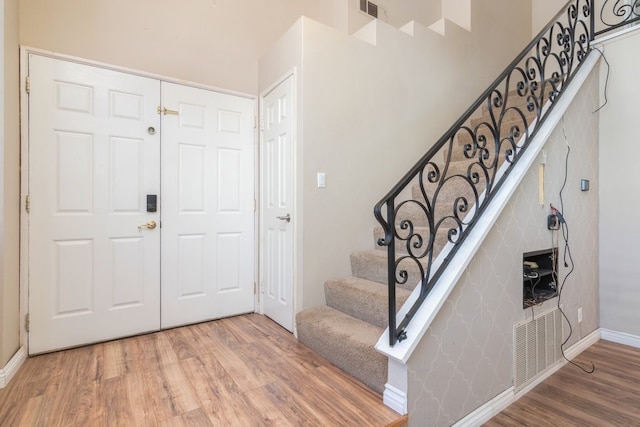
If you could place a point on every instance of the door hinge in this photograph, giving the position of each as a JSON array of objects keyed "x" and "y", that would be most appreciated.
[
  {"x": 27, "y": 203},
  {"x": 255, "y": 205},
  {"x": 27, "y": 322},
  {"x": 255, "y": 288},
  {"x": 27, "y": 85}
]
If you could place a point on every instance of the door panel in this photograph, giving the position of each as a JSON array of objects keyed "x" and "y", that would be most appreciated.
[
  {"x": 93, "y": 274},
  {"x": 208, "y": 205},
  {"x": 277, "y": 203}
]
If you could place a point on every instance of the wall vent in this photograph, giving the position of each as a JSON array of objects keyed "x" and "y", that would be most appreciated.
[
  {"x": 369, "y": 8},
  {"x": 536, "y": 346}
]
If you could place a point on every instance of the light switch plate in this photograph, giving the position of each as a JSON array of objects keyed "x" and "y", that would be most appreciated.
[{"x": 322, "y": 180}]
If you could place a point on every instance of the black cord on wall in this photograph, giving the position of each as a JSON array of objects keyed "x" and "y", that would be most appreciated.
[
  {"x": 567, "y": 258},
  {"x": 606, "y": 81}
]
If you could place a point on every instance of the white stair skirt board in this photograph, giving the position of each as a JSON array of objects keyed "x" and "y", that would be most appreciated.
[
  {"x": 509, "y": 396},
  {"x": 427, "y": 312},
  {"x": 11, "y": 368},
  {"x": 620, "y": 338}
]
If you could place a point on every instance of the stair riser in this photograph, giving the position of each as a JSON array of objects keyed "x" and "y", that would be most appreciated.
[
  {"x": 350, "y": 349},
  {"x": 366, "y": 301}
]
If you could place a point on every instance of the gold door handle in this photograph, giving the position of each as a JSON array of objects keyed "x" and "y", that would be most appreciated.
[
  {"x": 149, "y": 226},
  {"x": 165, "y": 111}
]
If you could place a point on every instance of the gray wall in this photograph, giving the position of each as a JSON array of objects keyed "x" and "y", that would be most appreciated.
[
  {"x": 466, "y": 357},
  {"x": 620, "y": 190}
]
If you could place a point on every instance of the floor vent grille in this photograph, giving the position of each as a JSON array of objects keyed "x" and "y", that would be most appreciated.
[{"x": 537, "y": 346}]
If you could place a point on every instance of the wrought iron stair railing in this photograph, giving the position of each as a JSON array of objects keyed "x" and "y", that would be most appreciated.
[{"x": 453, "y": 183}]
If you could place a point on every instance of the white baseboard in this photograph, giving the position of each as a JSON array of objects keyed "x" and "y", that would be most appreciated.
[
  {"x": 506, "y": 398},
  {"x": 488, "y": 410},
  {"x": 12, "y": 367},
  {"x": 395, "y": 399},
  {"x": 583, "y": 344},
  {"x": 621, "y": 338}
]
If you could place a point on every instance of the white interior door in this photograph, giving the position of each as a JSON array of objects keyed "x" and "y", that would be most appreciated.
[
  {"x": 208, "y": 234},
  {"x": 93, "y": 274},
  {"x": 278, "y": 203}
]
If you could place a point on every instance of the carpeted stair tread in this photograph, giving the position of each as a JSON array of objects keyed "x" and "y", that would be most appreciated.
[
  {"x": 372, "y": 265},
  {"x": 362, "y": 299},
  {"x": 346, "y": 342}
]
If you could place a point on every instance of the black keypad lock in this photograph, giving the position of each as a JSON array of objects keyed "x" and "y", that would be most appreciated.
[{"x": 152, "y": 202}]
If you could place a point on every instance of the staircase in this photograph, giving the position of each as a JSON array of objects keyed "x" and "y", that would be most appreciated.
[
  {"x": 458, "y": 177},
  {"x": 346, "y": 330}
]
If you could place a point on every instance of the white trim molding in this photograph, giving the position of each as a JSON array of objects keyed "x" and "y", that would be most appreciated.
[
  {"x": 489, "y": 409},
  {"x": 395, "y": 399},
  {"x": 11, "y": 368},
  {"x": 583, "y": 344},
  {"x": 620, "y": 338}
]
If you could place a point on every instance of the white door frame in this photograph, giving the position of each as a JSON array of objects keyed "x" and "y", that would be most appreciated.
[
  {"x": 25, "y": 51},
  {"x": 297, "y": 198}
]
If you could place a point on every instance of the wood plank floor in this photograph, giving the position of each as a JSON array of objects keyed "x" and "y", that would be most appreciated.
[
  {"x": 241, "y": 371},
  {"x": 608, "y": 397}
]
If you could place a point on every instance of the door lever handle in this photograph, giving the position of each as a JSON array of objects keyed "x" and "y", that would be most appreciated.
[
  {"x": 165, "y": 111},
  {"x": 287, "y": 218},
  {"x": 149, "y": 226}
]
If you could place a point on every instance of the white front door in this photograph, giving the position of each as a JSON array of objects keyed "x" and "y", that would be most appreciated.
[
  {"x": 93, "y": 158},
  {"x": 208, "y": 238},
  {"x": 278, "y": 203},
  {"x": 99, "y": 155}
]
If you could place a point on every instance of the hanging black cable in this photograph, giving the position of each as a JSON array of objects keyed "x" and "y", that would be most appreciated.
[{"x": 567, "y": 258}]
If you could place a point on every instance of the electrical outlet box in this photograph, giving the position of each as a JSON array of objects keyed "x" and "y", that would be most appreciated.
[{"x": 552, "y": 222}]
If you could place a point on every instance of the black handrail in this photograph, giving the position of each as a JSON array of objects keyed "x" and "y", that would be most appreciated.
[{"x": 513, "y": 107}]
